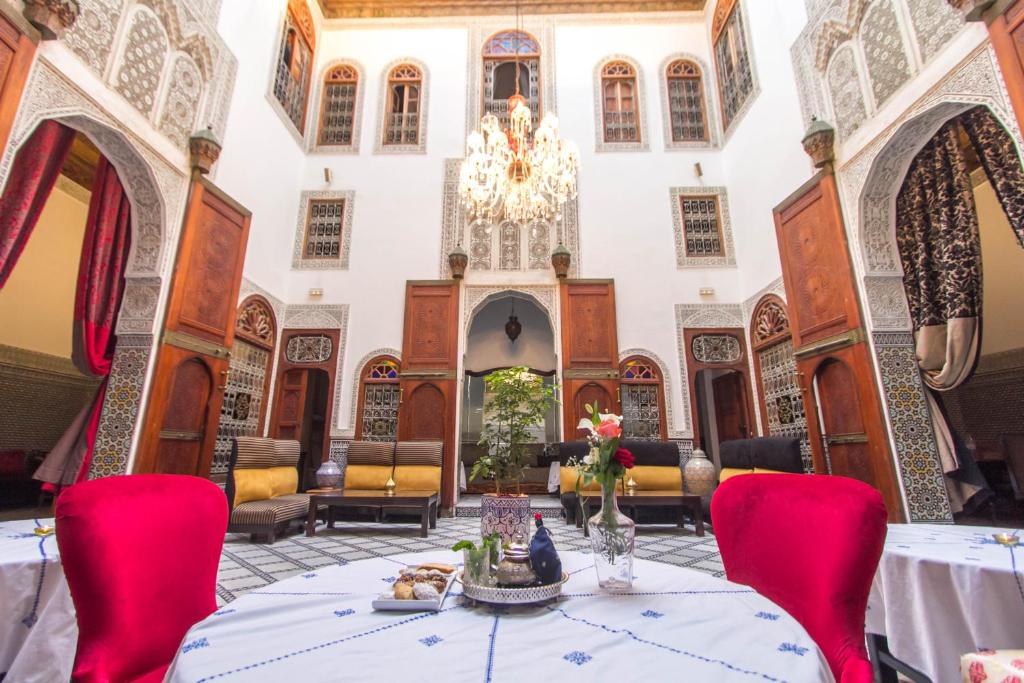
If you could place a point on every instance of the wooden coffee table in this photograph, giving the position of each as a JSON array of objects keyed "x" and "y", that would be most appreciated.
[
  {"x": 424, "y": 502},
  {"x": 641, "y": 499}
]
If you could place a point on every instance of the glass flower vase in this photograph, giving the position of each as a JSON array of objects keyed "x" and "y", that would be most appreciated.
[{"x": 612, "y": 537}]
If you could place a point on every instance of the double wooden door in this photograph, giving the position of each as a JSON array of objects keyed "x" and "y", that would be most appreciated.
[
  {"x": 180, "y": 427},
  {"x": 845, "y": 422}
]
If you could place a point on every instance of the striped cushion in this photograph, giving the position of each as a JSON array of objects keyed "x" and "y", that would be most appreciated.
[
  {"x": 286, "y": 452},
  {"x": 252, "y": 452},
  {"x": 418, "y": 453},
  {"x": 267, "y": 512},
  {"x": 371, "y": 453}
]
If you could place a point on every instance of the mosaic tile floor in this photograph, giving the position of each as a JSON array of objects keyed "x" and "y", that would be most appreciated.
[{"x": 245, "y": 566}]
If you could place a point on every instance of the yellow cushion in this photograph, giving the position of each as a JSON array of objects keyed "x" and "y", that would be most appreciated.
[
  {"x": 417, "y": 478},
  {"x": 252, "y": 485},
  {"x": 567, "y": 481},
  {"x": 284, "y": 481},
  {"x": 366, "y": 477},
  {"x": 656, "y": 477},
  {"x": 758, "y": 470},
  {"x": 731, "y": 472}
]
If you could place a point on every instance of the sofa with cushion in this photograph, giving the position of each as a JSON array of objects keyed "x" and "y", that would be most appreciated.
[
  {"x": 262, "y": 486},
  {"x": 761, "y": 455},
  {"x": 414, "y": 465},
  {"x": 657, "y": 469}
]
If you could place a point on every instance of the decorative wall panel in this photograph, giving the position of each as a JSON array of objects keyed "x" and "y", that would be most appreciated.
[
  {"x": 142, "y": 64},
  {"x": 641, "y": 411},
  {"x": 844, "y": 86},
  {"x": 243, "y": 400},
  {"x": 309, "y": 349},
  {"x": 919, "y": 464},
  {"x": 540, "y": 246},
  {"x": 178, "y": 120},
  {"x": 716, "y": 348},
  {"x": 510, "y": 245},
  {"x": 380, "y": 412},
  {"x": 92, "y": 35},
  {"x": 121, "y": 406},
  {"x": 884, "y": 51},
  {"x": 935, "y": 24}
]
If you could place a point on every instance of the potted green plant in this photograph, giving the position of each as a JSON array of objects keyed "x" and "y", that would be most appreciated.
[{"x": 517, "y": 401}]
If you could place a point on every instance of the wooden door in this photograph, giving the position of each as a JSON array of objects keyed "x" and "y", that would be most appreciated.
[
  {"x": 590, "y": 351},
  {"x": 427, "y": 385},
  {"x": 833, "y": 359},
  {"x": 180, "y": 427},
  {"x": 1007, "y": 34},
  {"x": 291, "y": 397},
  {"x": 731, "y": 417},
  {"x": 717, "y": 349},
  {"x": 17, "y": 48}
]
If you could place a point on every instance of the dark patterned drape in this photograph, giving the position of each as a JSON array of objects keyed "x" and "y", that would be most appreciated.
[
  {"x": 97, "y": 300},
  {"x": 1001, "y": 162},
  {"x": 29, "y": 183}
]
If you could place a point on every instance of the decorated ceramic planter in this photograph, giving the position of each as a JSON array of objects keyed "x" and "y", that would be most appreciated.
[
  {"x": 699, "y": 474},
  {"x": 505, "y": 514}
]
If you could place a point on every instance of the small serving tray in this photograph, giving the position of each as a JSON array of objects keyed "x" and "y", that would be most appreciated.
[
  {"x": 526, "y": 595},
  {"x": 393, "y": 605}
]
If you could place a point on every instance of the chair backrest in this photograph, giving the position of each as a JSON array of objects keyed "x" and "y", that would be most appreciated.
[
  {"x": 275, "y": 458},
  {"x": 778, "y": 453},
  {"x": 811, "y": 544},
  {"x": 654, "y": 453},
  {"x": 140, "y": 554}
]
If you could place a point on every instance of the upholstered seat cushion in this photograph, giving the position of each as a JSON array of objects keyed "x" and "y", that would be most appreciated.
[
  {"x": 271, "y": 511},
  {"x": 252, "y": 485},
  {"x": 728, "y": 472},
  {"x": 567, "y": 481},
  {"x": 417, "y": 478},
  {"x": 657, "y": 477},
  {"x": 284, "y": 480},
  {"x": 366, "y": 477}
]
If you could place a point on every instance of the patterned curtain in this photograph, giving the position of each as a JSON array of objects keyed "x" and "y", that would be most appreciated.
[
  {"x": 97, "y": 300},
  {"x": 29, "y": 183},
  {"x": 1001, "y": 162}
]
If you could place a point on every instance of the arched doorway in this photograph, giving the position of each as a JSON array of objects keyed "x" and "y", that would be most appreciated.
[
  {"x": 490, "y": 346},
  {"x": 82, "y": 266}
]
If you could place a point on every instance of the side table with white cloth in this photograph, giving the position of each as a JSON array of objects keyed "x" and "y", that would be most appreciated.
[
  {"x": 941, "y": 591},
  {"x": 676, "y": 623},
  {"x": 38, "y": 633}
]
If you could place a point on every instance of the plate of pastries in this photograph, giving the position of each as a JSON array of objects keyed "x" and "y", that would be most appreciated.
[{"x": 422, "y": 587}]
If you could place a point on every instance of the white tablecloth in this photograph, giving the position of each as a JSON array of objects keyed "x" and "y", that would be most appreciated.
[
  {"x": 677, "y": 624},
  {"x": 38, "y": 633},
  {"x": 942, "y": 591}
]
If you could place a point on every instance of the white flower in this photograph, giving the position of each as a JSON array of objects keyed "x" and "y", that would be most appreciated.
[
  {"x": 589, "y": 459},
  {"x": 586, "y": 423},
  {"x": 605, "y": 417}
]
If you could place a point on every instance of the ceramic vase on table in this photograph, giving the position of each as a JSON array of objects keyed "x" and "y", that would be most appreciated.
[
  {"x": 505, "y": 514},
  {"x": 612, "y": 538},
  {"x": 329, "y": 475},
  {"x": 699, "y": 474}
]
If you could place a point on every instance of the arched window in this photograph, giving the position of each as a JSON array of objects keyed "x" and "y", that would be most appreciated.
[
  {"x": 404, "y": 105},
  {"x": 338, "y": 107},
  {"x": 379, "y": 397},
  {"x": 247, "y": 385},
  {"x": 499, "y": 69},
  {"x": 619, "y": 103},
  {"x": 732, "y": 60},
  {"x": 687, "y": 115},
  {"x": 782, "y": 406},
  {"x": 642, "y": 394},
  {"x": 294, "y": 62}
]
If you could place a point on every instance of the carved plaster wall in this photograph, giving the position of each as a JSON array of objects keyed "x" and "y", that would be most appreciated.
[
  {"x": 327, "y": 316},
  {"x": 698, "y": 315}
]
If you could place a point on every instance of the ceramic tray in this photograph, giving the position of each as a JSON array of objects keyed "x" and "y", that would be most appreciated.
[{"x": 526, "y": 595}]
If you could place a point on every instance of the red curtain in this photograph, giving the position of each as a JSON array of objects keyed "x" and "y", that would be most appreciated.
[
  {"x": 97, "y": 300},
  {"x": 35, "y": 170}
]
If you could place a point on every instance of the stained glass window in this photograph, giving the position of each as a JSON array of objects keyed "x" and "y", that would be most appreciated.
[
  {"x": 702, "y": 229},
  {"x": 291, "y": 79},
  {"x": 379, "y": 400},
  {"x": 620, "y": 103},
  {"x": 641, "y": 394},
  {"x": 338, "y": 111},
  {"x": 735, "y": 77},
  {"x": 405, "y": 90},
  {"x": 324, "y": 229},
  {"x": 686, "y": 102},
  {"x": 500, "y": 73}
]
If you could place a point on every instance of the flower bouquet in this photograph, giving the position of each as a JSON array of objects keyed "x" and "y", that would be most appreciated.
[{"x": 612, "y": 534}]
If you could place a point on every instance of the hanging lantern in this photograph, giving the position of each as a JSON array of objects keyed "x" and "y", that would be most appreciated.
[{"x": 513, "y": 328}]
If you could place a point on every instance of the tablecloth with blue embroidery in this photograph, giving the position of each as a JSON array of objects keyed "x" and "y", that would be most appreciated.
[
  {"x": 676, "y": 624},
  {"x": 37, "y": 618},
  {"x": 942, "y": 591}
]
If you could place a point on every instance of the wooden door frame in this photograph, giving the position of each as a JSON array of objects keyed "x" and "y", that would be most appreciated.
[
  {"x": 693, "y": 366},
  {"x": 758, "y": 346},
  {"x": 329, "y": 365}
]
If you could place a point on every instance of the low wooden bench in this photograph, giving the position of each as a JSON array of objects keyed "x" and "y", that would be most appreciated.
[{"x": 424, "y": 502}]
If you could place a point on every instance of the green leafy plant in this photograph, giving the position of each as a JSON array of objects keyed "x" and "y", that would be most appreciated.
[{"x": 518, "y": 401}]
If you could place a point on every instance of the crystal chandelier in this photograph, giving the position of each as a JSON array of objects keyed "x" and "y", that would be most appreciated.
[{"x": 506, "y": 174}]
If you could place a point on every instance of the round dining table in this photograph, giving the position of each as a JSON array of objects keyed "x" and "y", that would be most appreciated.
[
  {"x": 675, "y": 624},
  {"x": 942, "y": 591},
  {"x": 38, "y": 634}
]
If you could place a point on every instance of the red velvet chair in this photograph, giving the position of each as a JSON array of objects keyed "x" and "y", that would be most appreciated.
[
  {"x": 811, "y": 545},
  {"x": 140, "y": 554}
]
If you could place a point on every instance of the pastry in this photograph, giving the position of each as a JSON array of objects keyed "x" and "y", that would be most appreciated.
[
  {"x": 425, "y": 591},
  {"x": 443, "y": 568},
  {"x": 403, "y": 591}
]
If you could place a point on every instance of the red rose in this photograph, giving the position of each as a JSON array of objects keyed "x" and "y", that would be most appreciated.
[
  {"x": 977, "y": 672},
  {"x": 624, "y": 458}
]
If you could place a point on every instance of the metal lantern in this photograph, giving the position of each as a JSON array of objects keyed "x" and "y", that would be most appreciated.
[
  {"x": 561, "y": 258},
  {"x": 457, "y": 261},
  {"x": 819, "y": 143}
]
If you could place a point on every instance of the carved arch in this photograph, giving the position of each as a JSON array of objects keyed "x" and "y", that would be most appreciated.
[
  {"x": 256, "y": 321},
  {"x": 357, "y": 374},
  {"x": 769, "y": 322}
]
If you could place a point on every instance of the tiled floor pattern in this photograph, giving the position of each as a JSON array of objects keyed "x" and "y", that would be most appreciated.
[{"x": 245, "y": 566}]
